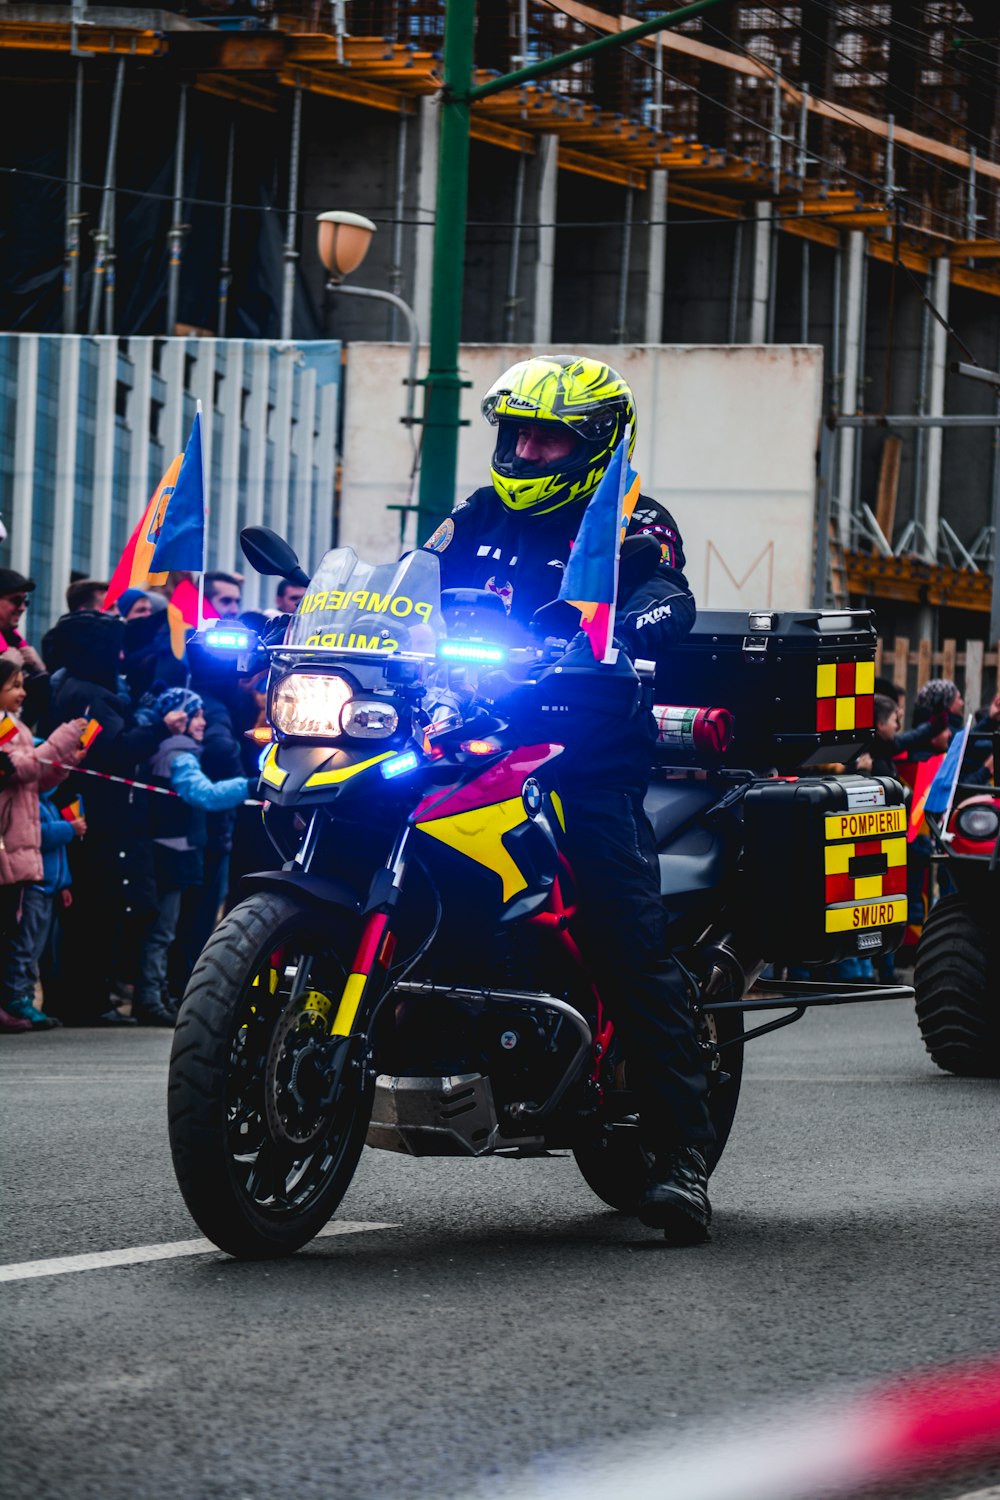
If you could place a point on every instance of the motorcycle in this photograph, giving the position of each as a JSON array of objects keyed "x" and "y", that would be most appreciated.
[
  {"x": 958, "y": 953},
  {"x": 412, "y": 977}
]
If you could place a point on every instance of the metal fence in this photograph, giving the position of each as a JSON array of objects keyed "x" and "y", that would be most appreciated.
[{"x": 88, "y": 426}]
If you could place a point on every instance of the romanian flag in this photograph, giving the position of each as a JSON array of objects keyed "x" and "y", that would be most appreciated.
[
  {"x": 590, "y": 581},
  {"x": 180, "y": 540},
  {"x": 926, "y": 772},
  {"x": 134, "y": 570},
  {"x": 8, "y": 729},
  {"x": 182, "y": 612},
  {"x": 170, "y": 538},
  {"x": 72, "y": 810}
]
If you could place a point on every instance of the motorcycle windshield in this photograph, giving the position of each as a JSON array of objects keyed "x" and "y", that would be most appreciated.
[{"x": 357, "y": 606}]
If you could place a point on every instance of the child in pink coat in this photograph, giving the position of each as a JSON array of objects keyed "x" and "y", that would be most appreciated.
[{"x": 28, "y": 769}]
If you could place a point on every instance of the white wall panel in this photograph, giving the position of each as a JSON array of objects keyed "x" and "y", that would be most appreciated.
[{"x": 727, "y": 441}]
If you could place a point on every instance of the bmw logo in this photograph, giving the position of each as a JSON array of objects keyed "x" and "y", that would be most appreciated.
[{"x": 531, "y": 796}]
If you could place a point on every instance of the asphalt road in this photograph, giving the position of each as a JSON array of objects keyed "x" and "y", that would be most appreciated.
[{"x": 506, "y": 1321}]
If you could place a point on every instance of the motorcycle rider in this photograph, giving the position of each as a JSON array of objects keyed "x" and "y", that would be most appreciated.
[{"x": 558, "y": 420}]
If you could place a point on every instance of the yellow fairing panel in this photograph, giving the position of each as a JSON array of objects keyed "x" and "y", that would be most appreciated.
[
  {"x": 330, "y": 778},
  {"x": 270, "y": 772},
  {"x": 478, "y": 833}
]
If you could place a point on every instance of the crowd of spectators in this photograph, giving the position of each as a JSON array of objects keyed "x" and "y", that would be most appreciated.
[{"x": 109, "y": 891}]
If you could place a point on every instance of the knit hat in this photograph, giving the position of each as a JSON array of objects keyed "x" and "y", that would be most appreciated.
[
  {"x": 178, "y": 697},
  {"x": 936, "y": 696},
  {"x": 125, "y": 600}
]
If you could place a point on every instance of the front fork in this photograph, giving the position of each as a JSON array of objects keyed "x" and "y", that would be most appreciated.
[{"x": 373, "y": 958}]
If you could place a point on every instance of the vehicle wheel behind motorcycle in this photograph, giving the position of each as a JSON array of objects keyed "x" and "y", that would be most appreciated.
[
  {"x": 267, "y": 1113},
  {"x": 955, "y": 982},
  {"x": 615, "y": 1165}
]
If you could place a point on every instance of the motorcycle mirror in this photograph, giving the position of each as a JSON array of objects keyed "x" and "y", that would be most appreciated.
[
  {"x": 477, "y": 599},
  {"x": 271, "y": 555}
]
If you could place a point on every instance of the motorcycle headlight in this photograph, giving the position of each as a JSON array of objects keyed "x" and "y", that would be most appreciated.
[
  {"x": 978, "y": 823},
  {"x": 309, "y": 703},
  {"x": 369, "y": 719}
]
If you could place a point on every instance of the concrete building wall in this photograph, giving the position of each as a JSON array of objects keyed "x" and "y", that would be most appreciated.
[{"x": 726, "y": 440}]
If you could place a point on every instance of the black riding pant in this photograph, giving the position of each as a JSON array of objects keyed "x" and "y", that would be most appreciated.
[{"x": 622, "y": 928}]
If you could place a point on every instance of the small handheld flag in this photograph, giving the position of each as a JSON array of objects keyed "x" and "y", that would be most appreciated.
[
  {"x": 91, "y": 730},
  {"x": 590, "y": 581},
  {"x": 72, "y": 810},
  {"x": 8, "y": 729}
]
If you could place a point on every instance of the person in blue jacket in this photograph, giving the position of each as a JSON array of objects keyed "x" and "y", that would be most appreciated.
[
  {"x": 38, "y": 902},
  {"x": 177, "y": 833}
]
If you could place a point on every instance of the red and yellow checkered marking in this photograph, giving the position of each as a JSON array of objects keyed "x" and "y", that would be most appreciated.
[
  {"x": 845, "y": 696},
  {"x": 865, "y": 869}
]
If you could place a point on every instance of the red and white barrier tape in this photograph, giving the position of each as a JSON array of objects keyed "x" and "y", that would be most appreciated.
[
  {"x": 143, "y": 786},
  {"x": 917, "y": 1428}
]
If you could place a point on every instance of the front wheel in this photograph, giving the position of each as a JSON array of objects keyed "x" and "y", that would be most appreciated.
[
  {"x": 615, "y": 1165},
  {"x": 267, "y": 1112},
  {"x": 955, "y": 982}
]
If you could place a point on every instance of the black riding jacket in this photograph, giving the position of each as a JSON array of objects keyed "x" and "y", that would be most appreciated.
[{"x": 522, "y": 558}]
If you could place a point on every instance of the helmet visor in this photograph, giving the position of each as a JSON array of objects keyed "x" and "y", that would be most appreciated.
[{"x": 545, "y": 448}]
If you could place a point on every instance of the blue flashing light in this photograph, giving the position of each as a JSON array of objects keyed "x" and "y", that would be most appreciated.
[
  {"x": 228, "y": 638},
  {"x": 409, "y": 760},
  {"x": 481, "y": 651}
]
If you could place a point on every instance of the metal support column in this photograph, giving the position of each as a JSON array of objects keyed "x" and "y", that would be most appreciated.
[
  {"x": 175, "y": 238},
  {"x": 545, "y": 263},
  {"x": 399, "y": 209},
  {"x": 71, "y": 274},
  {"x": 656, "y": 254},
  {"x": 291, "y": 228},
  {"x": 225, "y": 269},
  {"x": 104, "y": 231},
  {"x": 734, "y": 283},
  {"x": 931, "y": 509},
  {"x": 514, "y": 265},
  {"x": 760, "y": 288},
  {"x": 848, "y": 402},
  {"x": 624, "y": 270}
]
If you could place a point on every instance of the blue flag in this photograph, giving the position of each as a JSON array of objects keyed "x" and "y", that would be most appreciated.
[
  {"x": 948, "y": 773},
  {"x": 181, "y": 543},
  {"x": 590, "y": 580}
]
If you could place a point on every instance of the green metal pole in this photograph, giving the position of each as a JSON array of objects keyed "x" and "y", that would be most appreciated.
[
  {"x": 588, "y": 49},
  {"x": 443, "y": 385}
]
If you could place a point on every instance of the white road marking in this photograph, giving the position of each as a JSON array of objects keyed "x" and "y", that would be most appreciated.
[{"x": 137, "y": 1255}]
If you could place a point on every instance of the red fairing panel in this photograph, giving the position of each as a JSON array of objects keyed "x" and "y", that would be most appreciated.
[{"x": 497, "y": 783}]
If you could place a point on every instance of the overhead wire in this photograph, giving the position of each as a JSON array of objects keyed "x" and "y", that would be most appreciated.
[
  {"x": 883, "y": 79},
  {"x": 848, "y": 117},
  {"x": 760, "y": 126}
]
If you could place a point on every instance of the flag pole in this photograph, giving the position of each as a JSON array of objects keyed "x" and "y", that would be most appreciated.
[
  {"x": 956, "y": 778},
  {"x": 204, "y": 506},
  {"x": 610, "y": 650}
]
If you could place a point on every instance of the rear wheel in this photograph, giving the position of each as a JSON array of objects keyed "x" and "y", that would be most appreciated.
[
  {"x": 957, "y": 1008},
  {"x": 267, "y": 1112},
  {"x": 615, "y": 1165}
]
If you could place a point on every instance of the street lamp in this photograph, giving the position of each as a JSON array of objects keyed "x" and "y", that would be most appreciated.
[{"x": 342, "y": 241}]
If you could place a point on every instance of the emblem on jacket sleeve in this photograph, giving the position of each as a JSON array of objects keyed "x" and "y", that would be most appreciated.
[{"x": 439, "y": 539}]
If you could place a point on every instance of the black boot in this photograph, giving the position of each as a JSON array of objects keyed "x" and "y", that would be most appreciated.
[
  {"x": 676, "y": 1201},
  {"x": 153, "y": 1013}
]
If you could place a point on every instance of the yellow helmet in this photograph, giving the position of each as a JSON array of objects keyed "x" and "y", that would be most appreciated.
[{"x": 569, "y": 393}]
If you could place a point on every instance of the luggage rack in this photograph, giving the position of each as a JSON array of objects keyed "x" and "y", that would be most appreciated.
[{"x": 800, "y": 995}]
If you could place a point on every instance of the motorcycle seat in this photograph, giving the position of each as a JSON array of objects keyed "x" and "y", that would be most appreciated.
[{"x": 669, "y": 804}]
